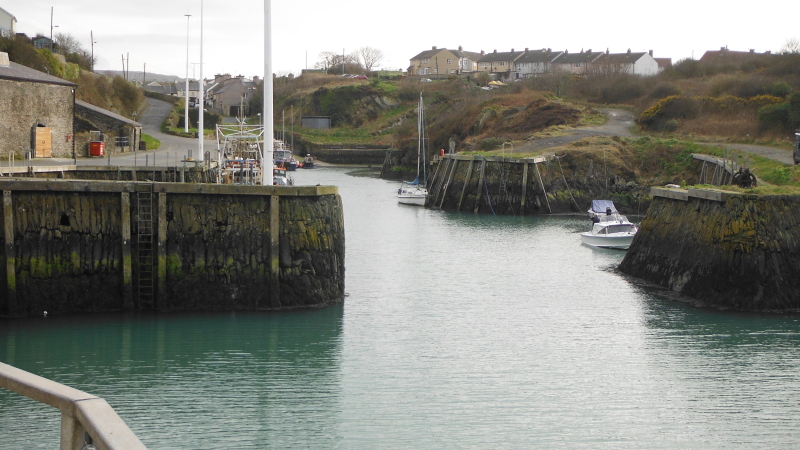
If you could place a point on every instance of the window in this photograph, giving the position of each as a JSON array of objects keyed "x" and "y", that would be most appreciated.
[
  {"x": 502, "y": 63},
  {"x": 449, "y": 61}
]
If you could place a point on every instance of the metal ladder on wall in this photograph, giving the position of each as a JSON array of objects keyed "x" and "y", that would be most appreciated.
[{"x": 144, "y": 247}]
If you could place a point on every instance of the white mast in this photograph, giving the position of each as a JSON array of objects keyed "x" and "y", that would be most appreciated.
[
  {"x": 186, "y": 92},
  {"x": 266, "y": 158},
  {"x": 202, "y": 106}
]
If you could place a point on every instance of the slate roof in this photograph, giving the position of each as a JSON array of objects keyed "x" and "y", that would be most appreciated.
[
  {"x": 429, "y": 53},
  {"x": 623, "y": 58},
  {"x": 582, "y": 57},
  {"x": 496, "y": 56},
  {"x": 106, "y": 112},
  {"x": 18, "y": 72},
  {"x": 537, "y": 56}
]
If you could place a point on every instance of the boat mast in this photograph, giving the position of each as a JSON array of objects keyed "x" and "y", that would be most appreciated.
[{"x": 420, "y": 133}]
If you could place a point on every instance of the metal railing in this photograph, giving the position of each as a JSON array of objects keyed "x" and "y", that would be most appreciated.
[{"x": 87, "y": 421}]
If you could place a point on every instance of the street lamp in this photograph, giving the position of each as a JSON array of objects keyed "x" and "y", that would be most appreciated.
[
  {"x": 51, "y": 29},
  {"x": 91, "y": 35},
  {"x": 186, "y": 92}
]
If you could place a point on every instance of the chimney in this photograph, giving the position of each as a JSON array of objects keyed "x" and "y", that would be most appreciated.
[
  {"x": 433, "y": 48},
  {"x": 255, "y": 79},
  {"x": 512, "y": 50},
  {"x": 460, "y": 48},
  {"x": 526, "y": 49},
  {"x": 651, "y": 53},
  {"x": 495, "y": 50},
  {"x": 752, "y": 50},
  {"x": 589, "y": 51},
  {"x": 4, "y": 60},
  {"x": 606, "y": 50},
  {"x": 629, "y": 51},
  {"x": 482, "y": 52}
]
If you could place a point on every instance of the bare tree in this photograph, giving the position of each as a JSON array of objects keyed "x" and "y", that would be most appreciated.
[
  {"x": 67, "y": 43},
  {"x": 328, "y": 59},
  {"x": 792, "y": 46},
  {"x": 370, "y": 57}
]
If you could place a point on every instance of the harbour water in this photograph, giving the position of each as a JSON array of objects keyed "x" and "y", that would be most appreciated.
[{"x": 458, "y": 331}]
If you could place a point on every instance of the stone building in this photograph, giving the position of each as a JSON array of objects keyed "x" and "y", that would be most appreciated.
[
  {"x": 36, "y": 110},
  {"x": 118, "y": 133},
  {"x": 230, "y": 96}
]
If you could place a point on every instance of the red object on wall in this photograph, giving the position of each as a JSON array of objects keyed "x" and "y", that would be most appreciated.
[{"x": 96, "y": 148}]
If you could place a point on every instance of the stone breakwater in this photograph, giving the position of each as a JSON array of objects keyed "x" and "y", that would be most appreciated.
[
  {"x": 723, "y": 249},
  {"x": 76, "y": 246}
]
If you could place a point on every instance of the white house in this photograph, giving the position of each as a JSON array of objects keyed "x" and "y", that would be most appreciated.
[
  {"x": 631, "y": 63},
  {"x": 8, "y": 24}
]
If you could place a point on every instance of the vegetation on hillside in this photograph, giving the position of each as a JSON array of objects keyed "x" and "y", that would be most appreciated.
[{"x": 114, "y": 94}]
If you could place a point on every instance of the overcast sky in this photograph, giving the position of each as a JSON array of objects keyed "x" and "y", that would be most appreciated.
[{"x": 155, "y": 32}]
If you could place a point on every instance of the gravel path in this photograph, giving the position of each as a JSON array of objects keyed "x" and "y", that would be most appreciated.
[{"x": 619, "y": 124}]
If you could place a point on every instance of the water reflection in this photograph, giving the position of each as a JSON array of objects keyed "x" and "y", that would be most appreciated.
[{"x": 169, "y": 374}]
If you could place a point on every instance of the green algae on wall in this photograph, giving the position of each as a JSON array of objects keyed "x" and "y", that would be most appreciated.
[{"x": 731, "y": 251}]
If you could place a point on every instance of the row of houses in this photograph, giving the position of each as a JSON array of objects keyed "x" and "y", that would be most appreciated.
[
  {"x": 225, "y": 94},
  {"x": 530, "y": 63}
]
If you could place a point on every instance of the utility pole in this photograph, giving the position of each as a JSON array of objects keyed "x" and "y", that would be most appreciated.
[
  {"x": 144, "y": 75},
  {"x": 51, "y": 29},
  {"x": 202, "y": 107},
  {"x": 123, "y": 68}
]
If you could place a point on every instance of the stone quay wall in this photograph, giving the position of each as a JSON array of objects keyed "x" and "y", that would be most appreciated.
[
  {"x": 80, "y": 246},
  {"x": 721, "y": 249},
  {"x": 529, "y": 186}
]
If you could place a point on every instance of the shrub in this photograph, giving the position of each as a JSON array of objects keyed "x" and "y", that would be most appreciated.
[
  {"x": 688, "y": 68},
  {"x": 672, "y": 107},
  {"x": 781, "y": 89},
  {"x": 774, "y": 117},
  {"x": 671, "y": 125},
  {"x": 664, "y": 90},
  {"x": 489, "y": 144}
]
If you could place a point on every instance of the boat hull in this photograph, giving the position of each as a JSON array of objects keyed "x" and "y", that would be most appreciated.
[
  {"x": 414, "y": 200},
  {"x": 620, "y": 241}
]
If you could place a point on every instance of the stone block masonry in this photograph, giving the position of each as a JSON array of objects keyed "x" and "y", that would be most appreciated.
[
  {"x": 76, "y": 246},
  {"x": 722, "y": 249}
]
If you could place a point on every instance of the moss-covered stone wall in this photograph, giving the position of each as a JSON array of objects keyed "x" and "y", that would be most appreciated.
[
  {"x": 722, "y": 249},
  {"x": 77, "y": 246}
]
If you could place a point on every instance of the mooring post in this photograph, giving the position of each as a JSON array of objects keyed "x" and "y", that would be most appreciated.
[
  {"x": 524, "y": 188},
  {"x": 274, "y": 251},
  {"x": 161, "y": 250},
  {"x": 11, "y": 266},
  {"x": 127, "y": 263}
]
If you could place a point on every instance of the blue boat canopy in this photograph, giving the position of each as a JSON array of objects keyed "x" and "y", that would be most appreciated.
[
  {"x": 412, "y": 183},
  {"x": 600, "y": 206}
]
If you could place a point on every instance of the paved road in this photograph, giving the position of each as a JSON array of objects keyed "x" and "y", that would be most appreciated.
[{"x": 173, "y": 149}]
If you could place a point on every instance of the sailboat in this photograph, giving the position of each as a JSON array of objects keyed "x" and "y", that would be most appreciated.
[{"x": 415, "y": 192}]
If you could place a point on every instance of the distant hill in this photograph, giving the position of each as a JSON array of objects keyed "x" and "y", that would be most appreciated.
[{"x": 139, "y": 75}]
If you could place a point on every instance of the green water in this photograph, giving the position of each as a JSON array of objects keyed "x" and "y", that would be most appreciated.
[{"x": 458, "y": 331}]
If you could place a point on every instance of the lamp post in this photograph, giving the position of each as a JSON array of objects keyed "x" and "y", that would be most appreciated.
[
  {"x": 186, "y": 92},
  {"x": 91, "y": 35},
  {"x": 51, "y": 29}
]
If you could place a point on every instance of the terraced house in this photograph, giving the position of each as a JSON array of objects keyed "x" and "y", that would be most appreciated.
[{"x": 441, "y": 61}]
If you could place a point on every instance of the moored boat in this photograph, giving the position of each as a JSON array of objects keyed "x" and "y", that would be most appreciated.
[
  {"x": 415, "y": 192},
  {"x": 308, "y": 162},
  {"x": 610, "y": 229}
]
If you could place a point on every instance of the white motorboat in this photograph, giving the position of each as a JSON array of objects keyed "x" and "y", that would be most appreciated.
[
  {"x": 610, "y": 229},
  {"x": 414, "y": 192}
]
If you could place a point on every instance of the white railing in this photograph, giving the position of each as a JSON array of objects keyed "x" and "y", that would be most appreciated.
[{"x": 85, "y": 419}]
